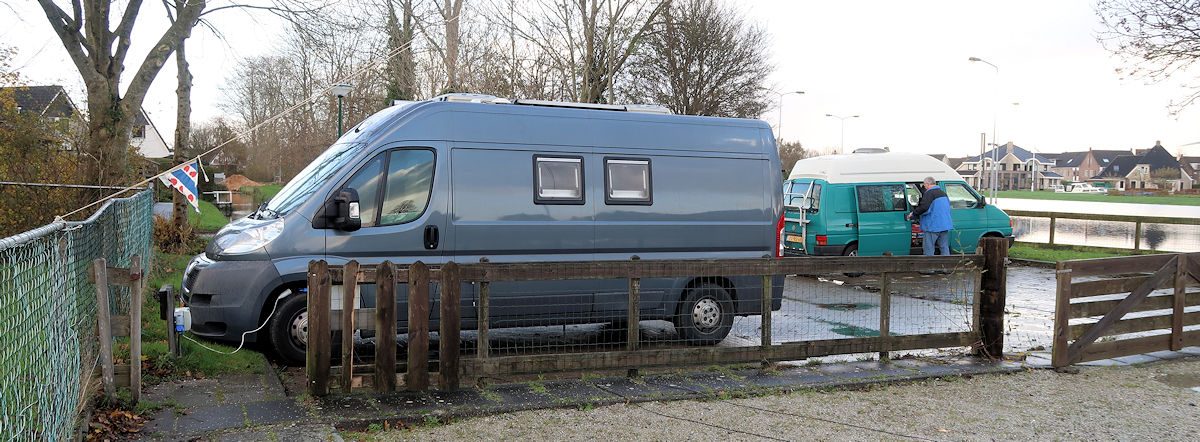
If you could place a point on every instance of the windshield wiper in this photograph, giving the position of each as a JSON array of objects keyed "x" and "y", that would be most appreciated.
[{"x": 264, "y": 213}]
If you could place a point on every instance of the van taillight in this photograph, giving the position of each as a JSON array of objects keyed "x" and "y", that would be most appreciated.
[
  {"x": 779, "y": 236},
  {"x": 822, "y": 240}
]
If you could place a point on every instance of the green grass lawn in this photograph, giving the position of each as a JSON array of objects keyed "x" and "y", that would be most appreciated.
[
  {"x": 262, "y": 193},
  {"x": 1043, "y": 252},
  {"x": 1176, "y": 200},
  {"x": 210, "y": 218},
  {"x": 196, "y": 361}
]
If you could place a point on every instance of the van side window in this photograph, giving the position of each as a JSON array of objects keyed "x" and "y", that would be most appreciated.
[
  {"x": 627, "y": 181},
  {"x": 815, "y": 198},
  {"x": 409, "y": 182},
  {"x": 882, "y": 198},
  {"x": 558, "y": 180},
  {"x": 367, "y": 182},
  {"x": 961, "y": 197}
]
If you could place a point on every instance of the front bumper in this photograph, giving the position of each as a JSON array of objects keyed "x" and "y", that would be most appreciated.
[{"x": 226, "y": 297}]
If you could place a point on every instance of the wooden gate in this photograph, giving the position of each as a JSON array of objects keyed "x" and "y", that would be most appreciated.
[{"x": 1156, "y": 289}]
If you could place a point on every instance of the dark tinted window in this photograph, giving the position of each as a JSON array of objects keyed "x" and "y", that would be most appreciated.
[{"x": 881, "y": 198}]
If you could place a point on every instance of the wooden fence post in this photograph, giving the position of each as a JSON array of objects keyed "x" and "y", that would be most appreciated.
[
  {"x": 104, "y": 326},
  {"x": 633, "y": 313},
  {"x": 1062, "y": 317},
  {"x": 135, "y": 327},
  {"x": 1052, "y": 219},
  {"x": 417, "y": 376},
  {"x": 349, "y": 291},
  {"x": 318, "y": 347},
  {"x": 450, "y": 325},
  {"x": 481, "y": 347},
  {"x": 992, "y": 298},
  {"x": 1137, "y": 235},
  {"x": 885, "y": 314},
  {"x": 1179, "y": 302},
  {"x": 385, "y": 328},
  {"x": 765, "y": 340}
]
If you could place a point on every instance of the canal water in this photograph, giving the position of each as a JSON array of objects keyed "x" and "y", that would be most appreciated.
[{"x": 1155, "y": 236}]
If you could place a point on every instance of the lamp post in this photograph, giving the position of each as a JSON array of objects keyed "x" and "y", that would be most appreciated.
[
  {"x": 842, "y": 145},
  {"x": 781, "y": 95},
  {"x": 340, "y": 90},
  {"x": 995, "y": 87}
]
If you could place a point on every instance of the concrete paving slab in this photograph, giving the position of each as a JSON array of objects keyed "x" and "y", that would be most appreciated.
[
  {"x": 1168, "y": 355},
  {"x": 1105, "y": 363},
  {"x": 1137, "y": 359}
]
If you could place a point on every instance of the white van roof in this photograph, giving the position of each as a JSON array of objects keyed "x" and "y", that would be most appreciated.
[{"x": 872, "y": 167}]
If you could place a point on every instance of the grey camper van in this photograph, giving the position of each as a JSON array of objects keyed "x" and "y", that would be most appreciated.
[{"x": 463, "y": 177}]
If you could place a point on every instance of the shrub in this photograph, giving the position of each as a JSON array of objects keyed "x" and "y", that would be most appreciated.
[{"x": 174, "y": 239}]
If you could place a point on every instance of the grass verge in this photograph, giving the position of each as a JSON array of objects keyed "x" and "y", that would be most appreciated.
[
  {"x": 210, "y": 218},
  {"x": 262, "y": 193},
  {"x": 1048, "y": 253},
  {"x": 1174, "y": 200}
]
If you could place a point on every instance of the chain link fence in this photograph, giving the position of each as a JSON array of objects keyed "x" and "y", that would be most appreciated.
[{"x": 48, "y": 348}]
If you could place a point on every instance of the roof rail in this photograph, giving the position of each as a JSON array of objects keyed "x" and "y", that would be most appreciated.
[
  {"x": 642, "y": 108},
  {"x": 471, "y": 98}
]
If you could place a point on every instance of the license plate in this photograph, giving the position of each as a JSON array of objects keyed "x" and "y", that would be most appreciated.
[{"x": 795, "y": 238}]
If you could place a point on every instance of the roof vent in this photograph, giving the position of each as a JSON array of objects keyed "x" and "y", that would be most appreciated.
[
  {"x": 641, "y": 108},
  {"x": 471, "y": 98},
  {"x": 872, "y": 150}
]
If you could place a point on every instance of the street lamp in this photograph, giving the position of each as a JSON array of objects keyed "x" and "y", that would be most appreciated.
[
  {"x": 995, "y": 87},
  {"x": 781, "y": 94},
  {"x": 340, "y": 90},
  {"x": 842, "y": 146}
]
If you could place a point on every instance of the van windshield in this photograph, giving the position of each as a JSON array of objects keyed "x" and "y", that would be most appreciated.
[{"x": 308, "y": 180}]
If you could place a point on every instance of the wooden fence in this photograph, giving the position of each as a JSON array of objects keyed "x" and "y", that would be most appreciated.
[
  {"x": 985, "y": 334},
  {"x": 128, "y": 374},
  {"x": 1086, "y": 288},
  {"x": 1137, "y": 221}
]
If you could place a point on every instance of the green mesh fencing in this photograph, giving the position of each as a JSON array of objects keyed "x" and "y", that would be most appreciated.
[{"x": 48, "y": 343}]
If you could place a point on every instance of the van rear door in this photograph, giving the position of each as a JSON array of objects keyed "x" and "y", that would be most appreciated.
[{"x": 882, "y": 227}]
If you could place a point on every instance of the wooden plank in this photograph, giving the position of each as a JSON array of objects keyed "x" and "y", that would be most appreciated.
[
  {"x": 993, "y": 297},
  {"x": 1126, "y": 347},
  {"x": 1156, "y": 302},
  {"x": 633, "y": 314},
  {"x": 449, "y": 328},
  {"x": 1141, "y": 324},
  {"x": 765, "y": 304},
  {"x": 318, "y": 348},
  {"x": 385, "y": 336},
  {"x": 1112, "y": 286},
  {"x": 699, "y": 356},
  {"x": 135, "y": 327},
  {"x": 485, "y": 296},
  {"x": 120, "y": 326},
  {"x": 1104, "y": 217},
  {"x": 367, "y": 273},
  {"x": 1193, "y": 268},
  {"x": 104, "y": 326},
  {"x": 1059, "y": 356},
  {"x": 364, "y": 319},
  {"x": 885, "y": 312},
  {"x": 1114, "y": 315},
  {"x": 1177, "y": 318},
  {"x": 417, "y": 377},
  {"x": 1118, "y": 265},
  {"x": 349, "y": 291},
  {"x": 550, "y": 271},
  {"x": 121, "y": 373}
]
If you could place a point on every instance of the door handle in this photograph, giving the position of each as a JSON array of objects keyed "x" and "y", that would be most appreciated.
[
  {"x": 851, "y": 224},
  {"x": 431, "y": 237}
]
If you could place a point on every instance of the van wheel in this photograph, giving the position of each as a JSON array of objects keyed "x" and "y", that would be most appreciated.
[
  {"x": 287, "y": 331},
  {"x": 706, "y": 315}
]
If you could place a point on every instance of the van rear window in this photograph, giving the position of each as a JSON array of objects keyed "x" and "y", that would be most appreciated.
[{"x": 558, "y": 180}]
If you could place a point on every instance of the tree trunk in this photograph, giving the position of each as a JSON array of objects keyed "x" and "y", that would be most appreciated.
[
  {"x": 452, "y": 8},
  {"x": 183, "y": 126}
]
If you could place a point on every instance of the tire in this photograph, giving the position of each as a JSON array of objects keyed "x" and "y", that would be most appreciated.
[
  {"x": 705, "y": 316},
  {"x": 287, "y": 330}
]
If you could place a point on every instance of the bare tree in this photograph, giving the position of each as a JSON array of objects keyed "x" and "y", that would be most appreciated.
[
  {"x": 99, "y": 54},
  {"x": 402, "y": 70},
  {"x": 790, "y": 153},
  {"x": 1158, "y": 39},
  {"x": 707, "y": 60}
]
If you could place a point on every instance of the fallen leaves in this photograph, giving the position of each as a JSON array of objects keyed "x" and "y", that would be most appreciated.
[{"x": 115, "y": 425}]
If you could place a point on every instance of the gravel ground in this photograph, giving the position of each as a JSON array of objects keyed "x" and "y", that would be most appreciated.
[{"x": 1150, "y": 402}]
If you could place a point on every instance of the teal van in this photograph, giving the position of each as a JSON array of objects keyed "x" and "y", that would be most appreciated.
[{"x": 856, "y": 204}]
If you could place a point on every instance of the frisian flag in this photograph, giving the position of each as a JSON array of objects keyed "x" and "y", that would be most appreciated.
[{"x": 184, "y": 179}]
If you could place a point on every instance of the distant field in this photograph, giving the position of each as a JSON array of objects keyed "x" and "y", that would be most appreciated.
[
  {"x": 1178, "y": 200},
  {"x": 1043, "y": 252}
]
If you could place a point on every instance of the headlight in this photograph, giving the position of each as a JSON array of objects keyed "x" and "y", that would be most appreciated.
[{"x": 250, "y": 239}]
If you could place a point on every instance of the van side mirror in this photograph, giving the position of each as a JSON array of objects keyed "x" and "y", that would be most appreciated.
[
  {"x": 982, "y": 201},
  {"x": 342, "y": 212}
]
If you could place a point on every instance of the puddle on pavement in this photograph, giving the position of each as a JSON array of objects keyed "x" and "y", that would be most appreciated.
[
  {"x": 1186, "y": 380},
  {"x": 846, "y": 307},
  {"x": 845, "y": 329}
]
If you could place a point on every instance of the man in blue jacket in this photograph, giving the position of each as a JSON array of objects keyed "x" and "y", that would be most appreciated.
[{"x": 934, "y": 213}]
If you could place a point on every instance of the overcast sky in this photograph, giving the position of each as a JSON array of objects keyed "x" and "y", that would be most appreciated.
[{"x": 902, "y": 66}]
